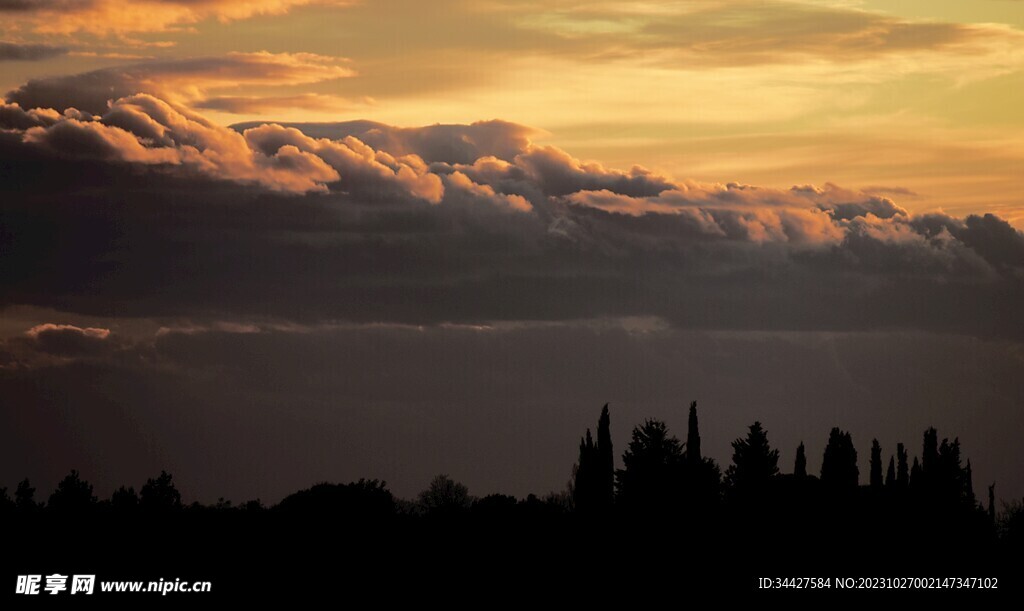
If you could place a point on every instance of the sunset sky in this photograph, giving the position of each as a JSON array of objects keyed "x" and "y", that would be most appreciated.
[{"x": 263, "y": 243}]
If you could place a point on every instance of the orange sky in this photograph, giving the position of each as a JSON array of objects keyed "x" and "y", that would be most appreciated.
[{"x": 918, "y": 101}]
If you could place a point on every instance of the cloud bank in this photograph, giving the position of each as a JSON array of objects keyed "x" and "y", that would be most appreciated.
[{"x": 460, "y": 224}]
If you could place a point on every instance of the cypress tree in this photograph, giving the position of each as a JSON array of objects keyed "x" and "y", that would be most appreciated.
[
  {"x": 970, "y": 485},
  {"x": 876, "y": 464},
  {"x": 839, "y": 466},
  {"x": 890, "y": 474},
  {"x": 902, "y": 471},
  {"x": 605, "y": 477},
  {"x": 800, "y": 466},
  {"x": 593, "y": 489},
  {"x": 930, "y": 454},
  {"x": 693, "y": 437},
  {"x": 583, "y": 491}
]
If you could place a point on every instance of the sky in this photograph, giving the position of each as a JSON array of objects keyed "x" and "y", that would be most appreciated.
[{"x": 265, "y": 243}]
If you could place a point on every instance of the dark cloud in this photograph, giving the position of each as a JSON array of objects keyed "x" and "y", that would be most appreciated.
[
  {"x": 68, "y": 340},
  {"x": 150, "y": 210},
  {"x": 15, "y": 117},
  {"x": 454, "y": 144},
  {"x": 12, "y": 51}
]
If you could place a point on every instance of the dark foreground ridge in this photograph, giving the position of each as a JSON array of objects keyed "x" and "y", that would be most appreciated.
[{"x": 668, "y": 522}]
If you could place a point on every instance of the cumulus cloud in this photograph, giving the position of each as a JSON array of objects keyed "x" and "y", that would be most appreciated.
[
  {"x": 558, "y": 173},
  {"x": 179, "y": 80},
  {"x": 104, "y": 17},
  {"x": 801, "y": 214},
  {"x": 62, "y": 341},
  {"x": 145, "y": 130},
  {"x": 453, "y": 144},
  {"x": 460, "y": 182},
  {"x": 532, "y": 234},
  {"x": 13, "y": 116}
]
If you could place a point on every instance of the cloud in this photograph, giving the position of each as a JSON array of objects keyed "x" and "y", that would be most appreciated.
[
  {"x": 13, "y": 51},
  {"x": 558, "y": 173},
  {"x": 536, "y": 235},
  {"x": 460, "y": 182},
  {"x": 51, "y": 329},
  {"x": 715, "y": 35},
  {"x": 805, "y": 214},
  {"x": 68, "y": 341},
  {"x": 13, "y": 116},
  {"x": 180, "y": 80},
  {"x": 145, "y": 130},
  {"x": 361, "y": 164},
  {"x": 106, "y": 17},
  {"x": 453, "y": 144}
]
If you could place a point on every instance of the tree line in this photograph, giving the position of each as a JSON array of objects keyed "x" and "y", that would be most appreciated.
[{"x": 661, "y": 476}]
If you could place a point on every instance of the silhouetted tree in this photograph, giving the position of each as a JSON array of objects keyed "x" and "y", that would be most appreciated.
[
  {"x": 124, "y": 499},
  {"x": 558, "y": 502},
  {"x": 605, "y": 478},
  {"x": 355, "y": 501},
  {"x": 73, "y": 495},
  {"x": 702, "y": 477},
  {"x": 25, "y": 497},
  {"x": 253, "y": 505},
  {"x": 652, "y": 473},
  {"x": 584, "y": 480},
  {"x": 159, "y": 494},
  {"x": 693, "y": 456},
  {"x": 876, "y": 465},
  {"x": 1011, "y": 524},
  {"x": 593, "y": 477},
  {"x": 445, "y": 496},
  {"x": 902, "y": 471},
  {"x": 6, "y": 502},
  {"x": 890, "y": 473},
  {"x": 800, "y": 465},
  {"x": 969, "y": 493},
  {"x": 930, "y": 455},
  {"x": 495, "y": 506},
  {"x": 839, "y": 466},
  {"x": 949, "y": 480},
  {"x": 754, "y": 463},
  {"x": 915, "y": 475}
]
